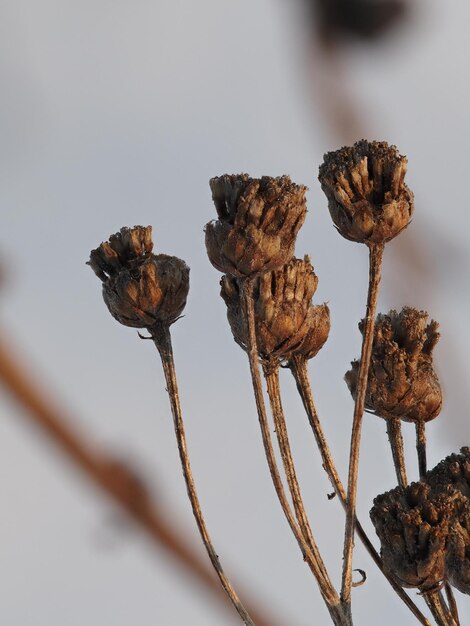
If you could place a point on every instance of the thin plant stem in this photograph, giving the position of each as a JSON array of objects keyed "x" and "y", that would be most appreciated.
[
  {"x": 442, "y": 617},
  {"x": 313, "y": 559},
  {"x": 271, "y": 375},
  {"x": 396, "y": 444},
  {"x": 117, "y": 480},
  {"x": 162, "y": 338},
  {"x": 375, "y": 265},
  {"x": 421, "y": 448},
  {"x": 299, "y": 368},
  {"x": 452, "y": 603}
]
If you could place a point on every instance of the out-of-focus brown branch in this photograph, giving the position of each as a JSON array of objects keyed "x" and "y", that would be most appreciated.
[{"x": 116, "y": 479}]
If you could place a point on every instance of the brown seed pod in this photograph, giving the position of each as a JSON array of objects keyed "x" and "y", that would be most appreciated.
[
  {"x": 367, "y": 197},
  {"x": 140, "y": 289},
  {"x": 402, "y": 381},
  {"x": 286, "y": 321},
  {"x": 458, "y": 550},
  {"x": 258, "y": 222},
  {"x": 454, "y": 470},
  {"x": 413, "y": 526}
]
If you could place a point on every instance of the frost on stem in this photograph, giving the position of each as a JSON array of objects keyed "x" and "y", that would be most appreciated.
[
  {"x": 258, "y": 222},
  {"x": 140, "y": 288}
]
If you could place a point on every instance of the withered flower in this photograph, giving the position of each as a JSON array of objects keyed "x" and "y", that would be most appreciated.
[
  {"x": 413, "y": 526},
  {"x": 402, "y": 381},
  {"x": 140, "y": 288},
  {"x": 258, "y": 222},
  {"x": 453, "y": 470},
  {"x": 361, "y": 19},
  {"x": 286, "y": 320},
  {"x": 367, "y": 197},
  {"x": 458, "y": 550}
]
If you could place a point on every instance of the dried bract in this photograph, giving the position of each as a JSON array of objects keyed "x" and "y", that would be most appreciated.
[
  {"x": 286, "y": 321},
  {"x": 367, "y": 197},
  {"x": 140, "y": 288},
  {"x": 413, "y": 527},
  {"x": 402, "y": 381},
  {"x": 258, "y": 222}
]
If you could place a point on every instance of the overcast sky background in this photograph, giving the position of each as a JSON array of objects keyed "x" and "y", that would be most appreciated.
[{"x": 117, "y": 113}]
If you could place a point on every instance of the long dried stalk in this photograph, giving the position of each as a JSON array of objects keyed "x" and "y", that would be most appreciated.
[
  {"x": 117, "y": 480},
  {"x": 421, "y": 448},
  {"x": 396, "y": 444},
  {"x": 452, "y": 603},
  {"x": 271, "y": 375},
  {"x": 339, "y": 616},
  {"x": 299, "y": 368},
  {"x": 162, "y": 340},
  {"x": 375, "y": 265}
]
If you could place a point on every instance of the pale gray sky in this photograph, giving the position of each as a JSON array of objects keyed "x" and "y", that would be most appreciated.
[{"x": 118, "y": 113}]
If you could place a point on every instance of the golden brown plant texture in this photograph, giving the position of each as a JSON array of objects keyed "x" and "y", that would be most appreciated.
[{"x": 423, "y": 527}]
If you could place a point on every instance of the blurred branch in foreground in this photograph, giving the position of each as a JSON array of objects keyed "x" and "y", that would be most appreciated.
[{"x": 117, "y": 479}]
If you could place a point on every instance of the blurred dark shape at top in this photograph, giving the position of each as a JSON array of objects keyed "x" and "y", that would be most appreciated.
[{"x": 364, "y": 20}]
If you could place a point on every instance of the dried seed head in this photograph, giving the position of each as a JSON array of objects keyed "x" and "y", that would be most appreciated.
[
  {"x": 361, "y": 19},
  {"x": 140, "y": 289},
  {"x": 402, "y": 381},
  {"x": 453, "y": 470},
  {"x": 453, "y": 473},
  {"x": 413, "y": 527},
  {"x": 258, "y": 222},
  {"x": 458, "y": 550},
  {"x": 286, "y": 321},
  {"x": 367, "y": 198}
]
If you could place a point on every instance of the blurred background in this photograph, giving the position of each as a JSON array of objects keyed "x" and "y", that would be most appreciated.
[{"x": 118, "y": 113}]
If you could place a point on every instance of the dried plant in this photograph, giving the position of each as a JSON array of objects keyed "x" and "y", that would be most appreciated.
[{"x": 423, "y": 527}]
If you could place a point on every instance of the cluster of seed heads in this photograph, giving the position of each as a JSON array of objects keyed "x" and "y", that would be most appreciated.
[{"x": 424, "y": 528}]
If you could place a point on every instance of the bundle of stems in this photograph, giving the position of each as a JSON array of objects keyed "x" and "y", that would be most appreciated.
[{"x": 268, "y": 293}]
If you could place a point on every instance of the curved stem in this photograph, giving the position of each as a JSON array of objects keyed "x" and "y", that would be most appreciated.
[
  {"x": 299, "y": 368},
  {"x": 396, "y": 444},
  {"x": 313, "y": 559},
  {"x": 162, "y": 339},
  {"x": 421, "y": 448},
  {"x": 375, "y": 265},
  {"x": 272, "y": 381}
]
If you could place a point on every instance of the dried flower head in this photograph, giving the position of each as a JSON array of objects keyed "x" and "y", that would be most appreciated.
[
  {"x": 361, "y": 19},
  {"x": 401, "y": 381},
  {"x": 453, "y": 470},
  {"x": 367, "y": 197},
  {"x": 458, "y": 549},
  {"x": 286, "y": 321},
  {"x": 258, "y": 222},
  {"x": 413, "y": 527},
  {"x": 140, "y": 288}
]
